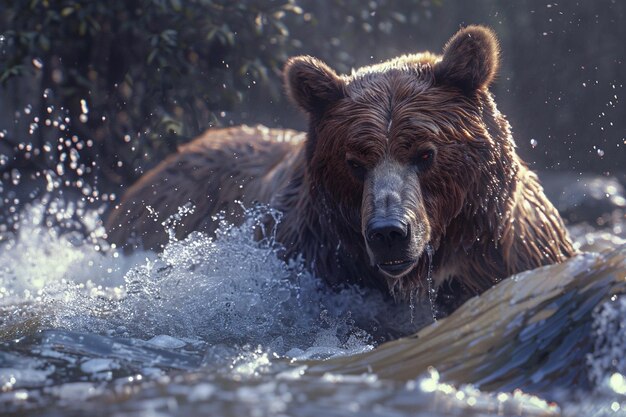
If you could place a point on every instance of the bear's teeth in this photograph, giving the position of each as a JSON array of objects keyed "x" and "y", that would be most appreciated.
[{"x": 393, "y": 262}]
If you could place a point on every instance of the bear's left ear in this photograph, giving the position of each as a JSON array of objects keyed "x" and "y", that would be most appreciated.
[
  {"x": 470, "y": 59},
  {"x": 311, "y": 84}
]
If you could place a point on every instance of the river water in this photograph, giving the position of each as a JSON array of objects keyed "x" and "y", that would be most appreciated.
[{"x": 224, "y": 327}]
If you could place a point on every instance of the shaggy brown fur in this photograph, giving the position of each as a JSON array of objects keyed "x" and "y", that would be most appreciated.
[
  {"x": 417, "y": 140},
  {"x": 214, "y": 172}
]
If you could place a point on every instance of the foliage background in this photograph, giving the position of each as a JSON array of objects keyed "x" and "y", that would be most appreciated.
[{"x": 94, "y": 93}]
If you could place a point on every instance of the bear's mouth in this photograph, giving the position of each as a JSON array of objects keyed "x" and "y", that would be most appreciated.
[{"x": 397, "y": 268}]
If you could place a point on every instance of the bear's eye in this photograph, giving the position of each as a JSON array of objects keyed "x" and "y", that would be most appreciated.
[
  {"x": 356, "y": 168},
  {"x": 424, "y": 159}
]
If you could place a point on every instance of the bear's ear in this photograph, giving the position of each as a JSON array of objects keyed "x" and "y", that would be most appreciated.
[
  {"x": 311, "y": 84},
  {"x": 470, "y": 59}
]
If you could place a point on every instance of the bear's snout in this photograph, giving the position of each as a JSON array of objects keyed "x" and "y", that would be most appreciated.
[
  {"x": 391, "y": 201},
  {"x": 389, "y": 241}
]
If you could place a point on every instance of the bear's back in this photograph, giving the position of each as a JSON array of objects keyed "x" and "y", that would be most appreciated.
[{"x": 214, "y": 172}]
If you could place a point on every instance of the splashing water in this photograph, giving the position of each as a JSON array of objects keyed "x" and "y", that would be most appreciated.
[
  {"x": 81, "y": 320},
  {"x": 230, "y": 289},
  {"x": 73, "y": 309},
  {"x": 432, "y": 291},
  {"x": 610, "y": 338}
]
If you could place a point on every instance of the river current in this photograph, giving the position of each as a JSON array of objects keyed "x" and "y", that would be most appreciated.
[{"x": 223, "y": 327}]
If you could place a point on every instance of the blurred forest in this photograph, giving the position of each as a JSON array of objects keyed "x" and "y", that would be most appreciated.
[{"x": 94, "y": 93}]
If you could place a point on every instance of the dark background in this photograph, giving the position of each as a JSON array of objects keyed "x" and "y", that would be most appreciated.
[{"x": 155, "y": 73}]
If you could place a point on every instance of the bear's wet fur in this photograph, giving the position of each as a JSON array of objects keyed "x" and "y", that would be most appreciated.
[{"x": 407, "y": 167}]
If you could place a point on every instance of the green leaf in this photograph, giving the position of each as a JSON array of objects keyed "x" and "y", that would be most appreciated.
[
  {"x": 282, "y": 29},
  {"x": 211, "y": 34},
  {"x": 44, "y": 42},
  {"x": 176, "y": 5},
  {"x": 226, "y": 36},
  {"x": 151, "y": 56},
  {"x": 14, "y": 71},
  {"x": 169, "y": 36}
]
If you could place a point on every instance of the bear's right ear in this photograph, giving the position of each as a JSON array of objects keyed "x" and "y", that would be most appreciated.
[{"x": 311, "y": 84}]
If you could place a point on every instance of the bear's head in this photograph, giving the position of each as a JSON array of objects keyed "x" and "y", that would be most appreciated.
[{"x": 401, "y": 149}]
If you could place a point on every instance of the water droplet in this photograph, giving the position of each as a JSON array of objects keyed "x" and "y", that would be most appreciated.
[
  {"x": 15, "y": 176},
  {"x": 600, "y": 152},
  {"x": 618, "y": 383},
  {"x": 83, "y": 106},
  {"x": 534, "y": 143},
  {"x": 74, "y": 155}
]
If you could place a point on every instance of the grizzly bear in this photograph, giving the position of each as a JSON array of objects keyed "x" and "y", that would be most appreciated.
[{"x": 407, "y": 176}]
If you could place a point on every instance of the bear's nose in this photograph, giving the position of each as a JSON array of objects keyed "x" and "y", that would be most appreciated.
[{"x": 386, "y": 233}]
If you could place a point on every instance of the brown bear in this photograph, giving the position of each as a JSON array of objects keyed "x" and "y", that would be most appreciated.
[{"x": 408, "y": 169}]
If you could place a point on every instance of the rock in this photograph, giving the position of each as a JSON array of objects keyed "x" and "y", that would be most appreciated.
[{"x": 532, "y": 331}]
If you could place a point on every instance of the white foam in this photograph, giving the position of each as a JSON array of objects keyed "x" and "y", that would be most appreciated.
[{"x": 11, "y": 378}]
